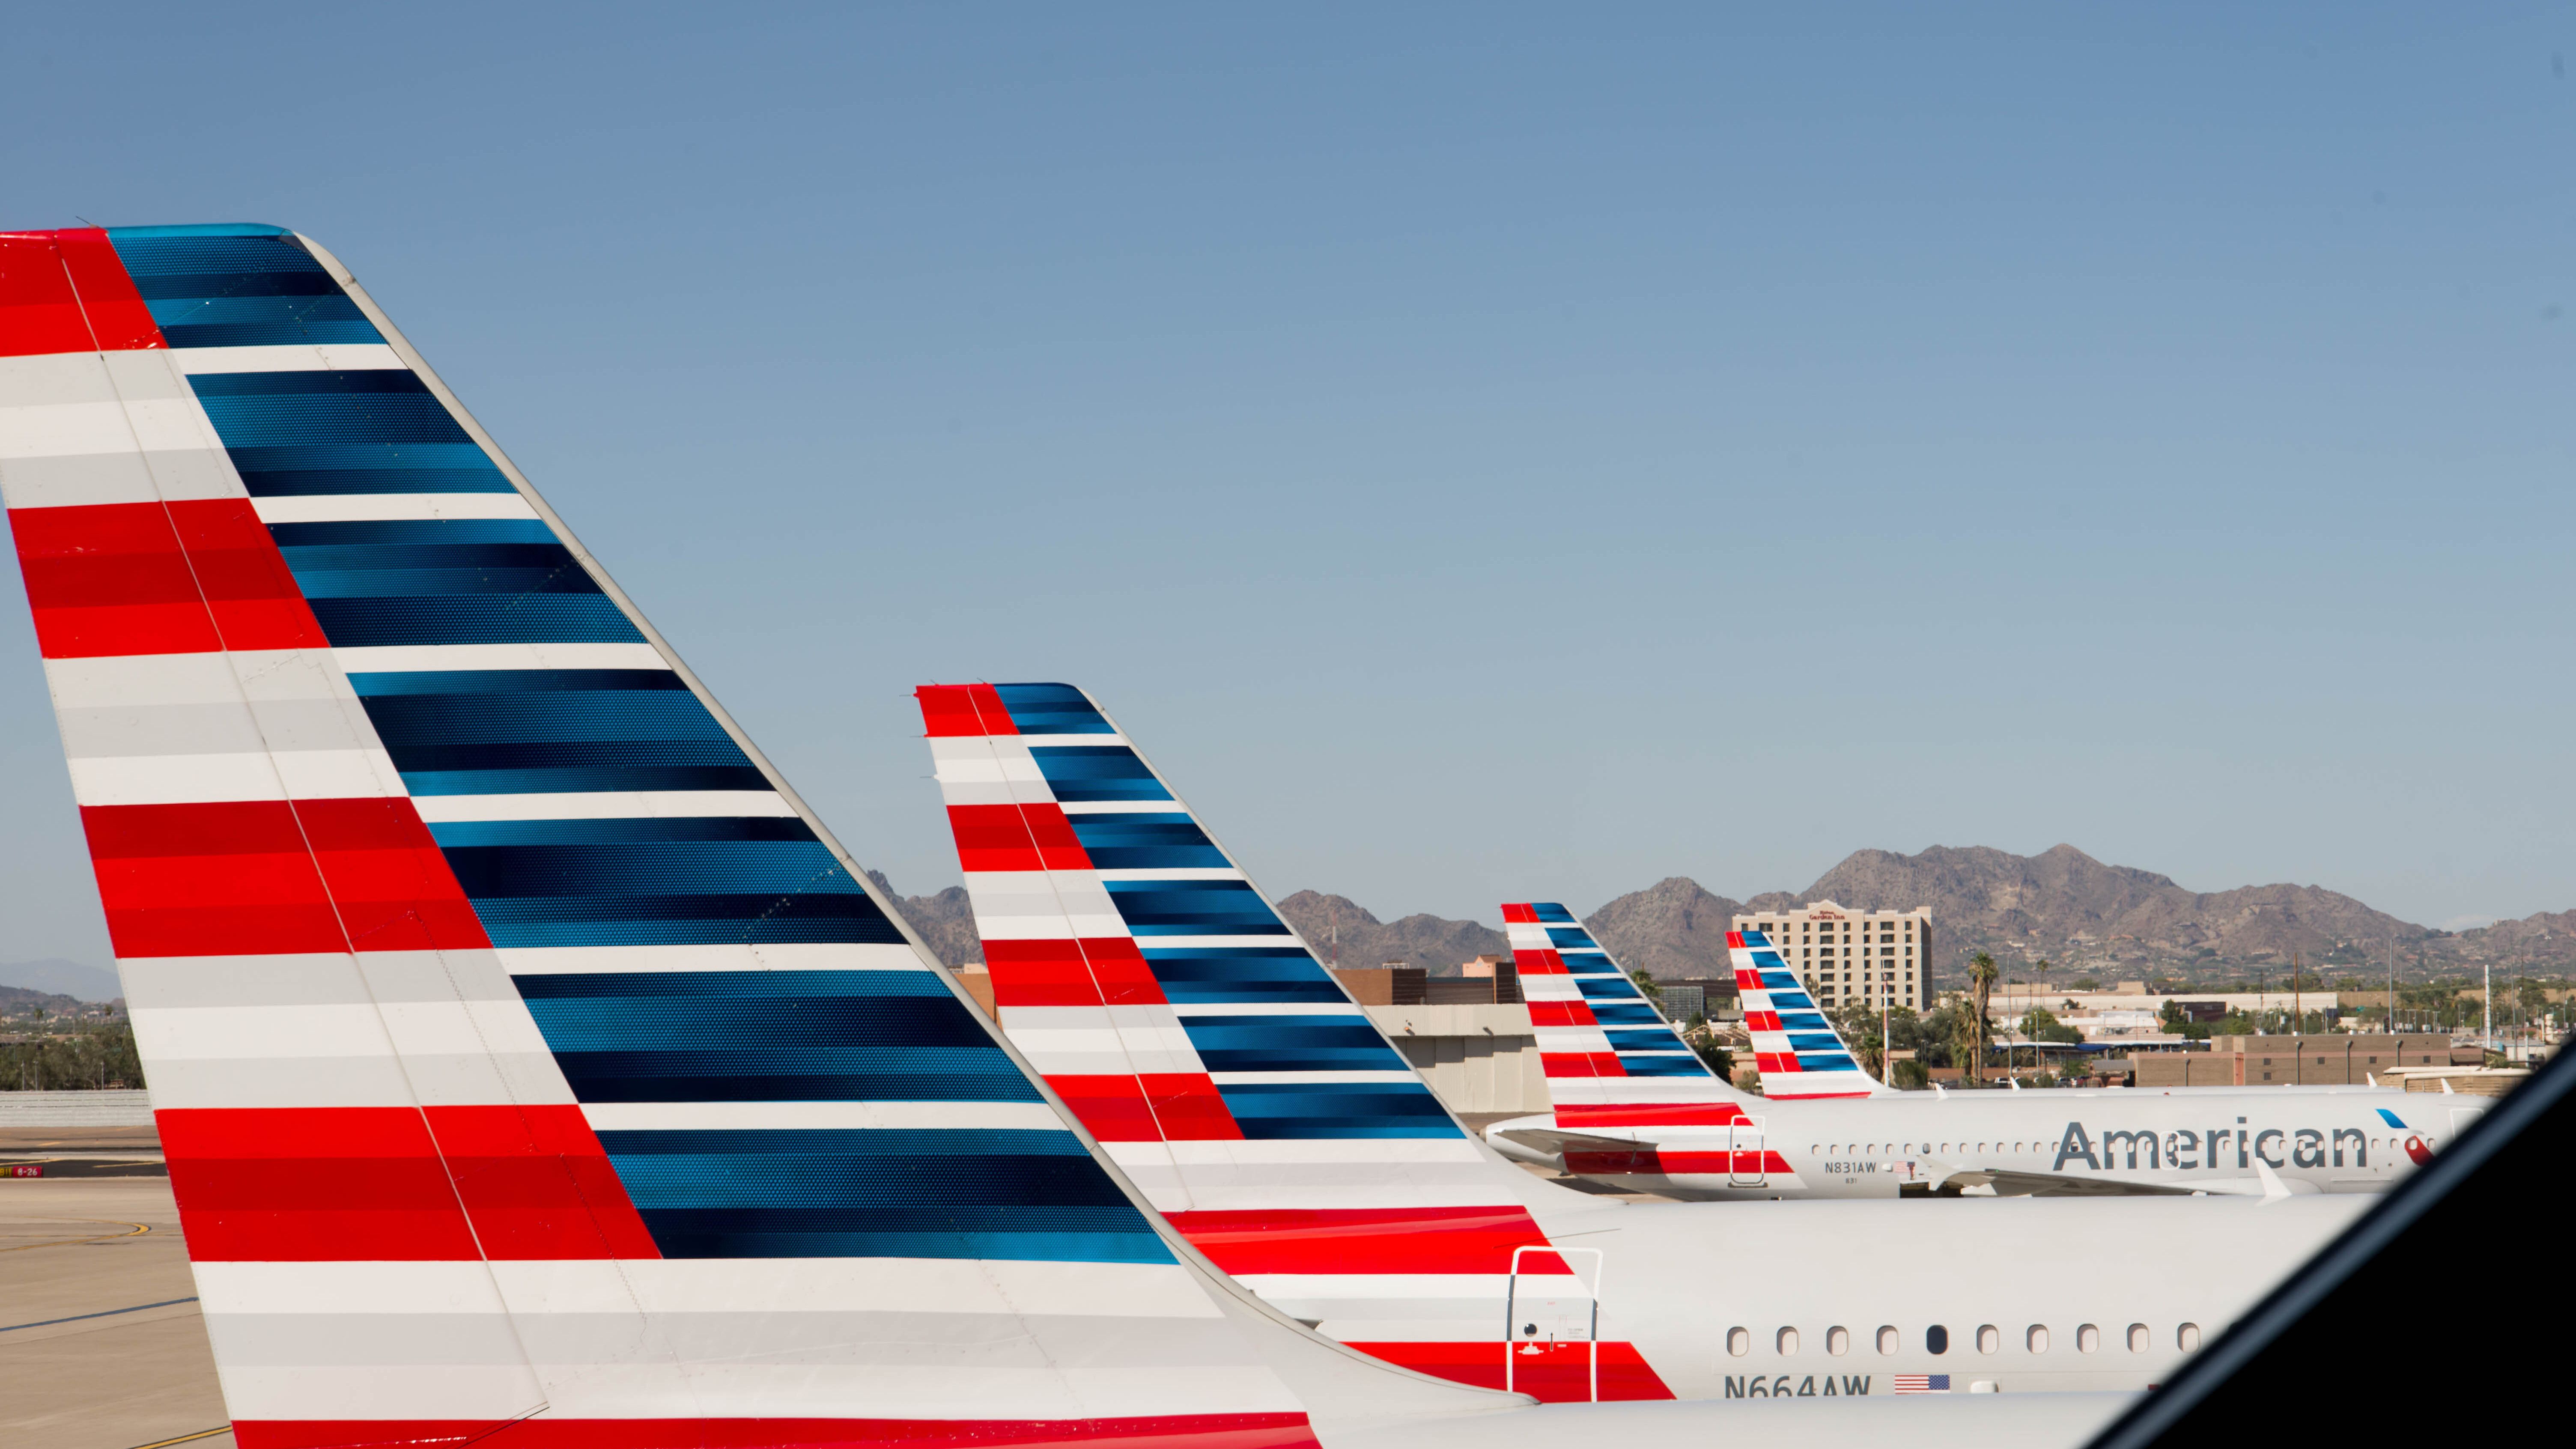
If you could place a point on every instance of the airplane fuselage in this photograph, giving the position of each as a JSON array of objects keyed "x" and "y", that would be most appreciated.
[
  {"x": 2051, "y": 1142},
  {"x": 1841, "y": 1299}
]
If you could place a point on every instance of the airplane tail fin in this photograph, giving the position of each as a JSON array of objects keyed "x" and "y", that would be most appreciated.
[
  {"x": 1794, "y": 1043},
  {"x": 1265, "y": 1114},
  {"x": 1612, "y": 1059},
  {"x": 524, "y": 1051}
]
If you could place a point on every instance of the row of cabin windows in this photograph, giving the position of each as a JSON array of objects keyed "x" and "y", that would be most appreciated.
[{"x": 1989, "y": 1339}]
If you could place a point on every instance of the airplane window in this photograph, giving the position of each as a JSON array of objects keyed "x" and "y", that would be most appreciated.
[
  {"x": 2137, "y": 1338},
  {"x": 1837, "y": 1341},
  {"x": 2087, "y": 1339},
  {"x": 2037, "y": 1339},
  {"x": 1788, "y": 1342},
  {"x": 1887, "y": 1338},
  {"x": 1936, "y": 1339},
  {"x": 1739, "y": 1342},
  {"x": 1988, "y": 1340},
  {"x": 2187, "y": 1337}
]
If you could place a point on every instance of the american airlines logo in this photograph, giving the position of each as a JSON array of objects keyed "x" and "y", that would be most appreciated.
[{"x": 2231, "y": 1148}]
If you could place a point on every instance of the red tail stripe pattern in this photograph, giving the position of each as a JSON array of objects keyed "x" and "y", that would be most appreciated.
[
  {"x": 65, "y": 291},
  {"x": 950, "y": 711},
  {"x": 1092, "y": 971},
  {"x": 181, "y": 577},
  {"x": 326, "y": 1184},
  {"x": 275, "y": 877},
  {"x": 1368, "y": 1240},
  {"x": 1148, "y": 1106}
]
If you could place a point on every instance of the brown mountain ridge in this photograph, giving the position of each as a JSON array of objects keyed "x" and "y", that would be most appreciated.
[{"x": 2085, "y": 917}]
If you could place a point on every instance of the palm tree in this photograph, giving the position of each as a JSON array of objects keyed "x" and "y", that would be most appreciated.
[
  {"x": 1982, "y": 975},
  {"x": 2041, "y": 968}
]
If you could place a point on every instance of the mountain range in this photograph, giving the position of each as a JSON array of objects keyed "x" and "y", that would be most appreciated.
[
  {"x": 2085, "y": 917},
  {"x": 2109, "y": 922}
]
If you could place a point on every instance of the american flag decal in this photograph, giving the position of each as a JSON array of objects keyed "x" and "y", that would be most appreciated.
[{"x": 1923, "y": 1383}]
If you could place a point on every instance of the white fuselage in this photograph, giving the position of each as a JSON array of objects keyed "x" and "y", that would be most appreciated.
[
  {"x": 1757, "y": 1299},
  {"x": 2189, "y": 1140},
  {"x": 2026, "y": 1293}
]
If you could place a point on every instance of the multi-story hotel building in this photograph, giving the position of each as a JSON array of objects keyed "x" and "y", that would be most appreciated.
[{"x": 1843, "y": 956}]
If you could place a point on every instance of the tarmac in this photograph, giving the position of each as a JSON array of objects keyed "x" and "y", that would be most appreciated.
[{"x": 101, "y": 1344}]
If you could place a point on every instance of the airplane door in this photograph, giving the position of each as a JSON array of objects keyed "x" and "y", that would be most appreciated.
[
  {"x": 1744, "y": 1155},
  {"x": 1552, "y": 1325}
]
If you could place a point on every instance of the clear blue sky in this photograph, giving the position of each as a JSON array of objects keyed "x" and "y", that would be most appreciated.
[{"x": 1480, "y": 452}]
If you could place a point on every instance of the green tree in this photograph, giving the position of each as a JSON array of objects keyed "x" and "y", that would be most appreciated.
[
  {"x": 1976, "y": 1030},
  {"x": 2041, "y": 1024},
  {"x": 1858, "y": 1022},
  {"x": 1702, "y": 1039},
  {"x": 91, "y": 1058}
]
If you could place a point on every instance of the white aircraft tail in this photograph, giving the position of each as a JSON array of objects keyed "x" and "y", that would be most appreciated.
[
  {"x": 1215, "y": 1058},
  {"x": 1612, "y": 1060},
  {"x": 1795, "y": 1044},
  {"x": 526, "y": 1055}
]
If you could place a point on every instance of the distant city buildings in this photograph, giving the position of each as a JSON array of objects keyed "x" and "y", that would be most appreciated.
[{"x": 1843, "y": 956}]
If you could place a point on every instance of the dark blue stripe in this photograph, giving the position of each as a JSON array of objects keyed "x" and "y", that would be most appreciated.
[
  {"x": 752, "y": 1036},
  {"x": 1810, "y": 1020},
  {"x": 189, "y": 286},
  {"x": 1608, "y": 988},
  {"x": 677, "y": 867},
  {"x": 303, "y": 420},
  {"x": 388, "y": 531},
  {"x": 1826, "y": 1062},
  {"x": 1193, "y": 908},
  {"x": 475, "y": 684},
  {"x": 1290, "y": 1044},
  {"x": 1336, "y": 1109},
  {"x": 261, "y": 322},
  {"x": 397, "y": 477},
  {"x": 813, "y": 918},
  {"x": 584, "y": 779},
  {"x": 1625, "y": 1013},
  {"x": 1051, "y": 709},
  {"x": 774, "y": 1193},
  {"x": 1664, "y": 1066},
  {"x": 750, "y": 1234},
  {"x": 600, "y": 721},
  {"x": 539, "y": 619},
  {"x": 1145, "y": 842},
  {"x": 1079, "y": 773},
  {"x": 456, "y": 834},
  {"x": 252, "y": 459},
  {"x": 1551, "y": 912},
  {"x": 332, "y": 574},
  {"x": 1206, "y": 974},
  {"x": 1642, "y": 1039},
  {"x": 1823, "y": 1041}
]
